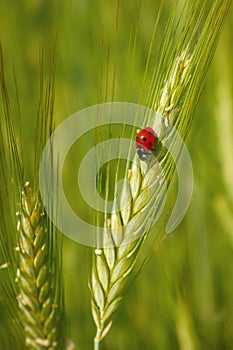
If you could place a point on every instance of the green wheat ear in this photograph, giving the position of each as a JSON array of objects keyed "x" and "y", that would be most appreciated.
[
  {"x": 30, "y": 244},
  {"x": 40, "y": 297},
  {"x": 39, "y": 300},
  {"x": 176, "y": 85}
]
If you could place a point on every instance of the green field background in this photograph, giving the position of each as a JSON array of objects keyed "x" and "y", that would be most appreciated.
[{"x": 184, "y": 297}]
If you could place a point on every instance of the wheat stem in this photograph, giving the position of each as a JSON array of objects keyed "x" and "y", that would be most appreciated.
[{"x": 97, "y": 339}]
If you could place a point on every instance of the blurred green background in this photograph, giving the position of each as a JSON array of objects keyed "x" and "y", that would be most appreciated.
[{"x": 184, "y": 297}]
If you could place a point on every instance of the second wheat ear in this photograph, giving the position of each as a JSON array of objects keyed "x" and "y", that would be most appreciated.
[{"x": 38, "y": 298}]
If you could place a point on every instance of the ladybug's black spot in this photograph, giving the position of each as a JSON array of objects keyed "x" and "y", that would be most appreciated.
[
  {"x": 143, "y": 138},
  {"x": 150, "y": 144}
]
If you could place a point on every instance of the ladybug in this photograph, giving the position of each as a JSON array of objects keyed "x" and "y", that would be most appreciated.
[{"x": 145, "y": 142}]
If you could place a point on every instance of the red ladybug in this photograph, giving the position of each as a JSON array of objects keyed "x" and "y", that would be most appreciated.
[{"x": 145, "y": 142}]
